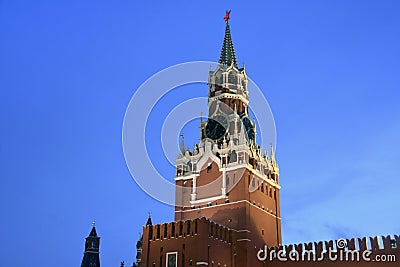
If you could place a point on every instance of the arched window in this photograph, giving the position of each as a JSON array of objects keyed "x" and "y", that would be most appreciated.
[
  {"x": 232, "y": 78},
  {"x": 218, "y": 79},
  {"x": 233, "y": 157}
]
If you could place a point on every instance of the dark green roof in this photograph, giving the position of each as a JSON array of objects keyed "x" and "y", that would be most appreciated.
[
  {"x": 149, "y": 222},
  {"x": 93, "y": 233},
  {"x": 228, "y": 52}
]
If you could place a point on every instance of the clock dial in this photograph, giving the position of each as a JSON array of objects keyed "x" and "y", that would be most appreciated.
[
  {"x": 216, "y": 127},
  {"x": 249, "y": 129}
]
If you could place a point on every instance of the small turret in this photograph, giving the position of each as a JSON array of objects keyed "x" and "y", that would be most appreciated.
[
  {"x": 91, "y": 257},
  {"x": 139, "y": 244}
]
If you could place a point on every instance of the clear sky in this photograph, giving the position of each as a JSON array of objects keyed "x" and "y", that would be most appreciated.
[{"x": 329, "y": 69}]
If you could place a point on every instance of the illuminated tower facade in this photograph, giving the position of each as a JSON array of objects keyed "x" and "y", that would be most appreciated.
[
  {"x": 226, "y": 177},
  {"x": 227, "y": 189}
]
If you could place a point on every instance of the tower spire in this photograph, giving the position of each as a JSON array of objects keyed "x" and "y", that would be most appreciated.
[
  {"x": 227, "y": 16},
  {"x": 228, "y": 56},
  {"x": 92, "y": 245},
  {"x": 149, "y": 222}
]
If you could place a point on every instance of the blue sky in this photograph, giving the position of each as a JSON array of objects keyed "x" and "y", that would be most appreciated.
[{"x": 329, "y": 69}]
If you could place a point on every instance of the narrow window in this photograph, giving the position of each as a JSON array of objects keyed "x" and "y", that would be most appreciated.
[{"x": 172, "y": 259}]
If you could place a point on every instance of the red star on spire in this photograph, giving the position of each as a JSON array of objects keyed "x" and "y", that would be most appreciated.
[{"x": 227, "y": 14}]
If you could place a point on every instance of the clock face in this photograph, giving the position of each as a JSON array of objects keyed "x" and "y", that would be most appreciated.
[
  {"x": 248, "y": 126},
  {"x": 216, "y": 127}
]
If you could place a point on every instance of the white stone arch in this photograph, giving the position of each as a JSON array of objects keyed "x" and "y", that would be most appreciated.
[
  {"x": 232, "y": 67},
  {"x": 208, "y": 154}
]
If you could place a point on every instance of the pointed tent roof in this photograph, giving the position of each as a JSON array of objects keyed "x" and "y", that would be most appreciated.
[
  {"x": 149, "y": 222},
  {"x": 93, "y": 233},
  {"x": 228, "y": 52}
]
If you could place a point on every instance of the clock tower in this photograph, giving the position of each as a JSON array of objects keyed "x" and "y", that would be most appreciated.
[
  {"x": 227, "y": 190},
  {"x": 227, "y": 178},
  {"x": 227, "y": 203}
]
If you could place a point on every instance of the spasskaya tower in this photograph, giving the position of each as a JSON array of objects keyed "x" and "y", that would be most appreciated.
[
  {"x": 226, "y": 177},
  {"x": 227, "y": 189}
]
